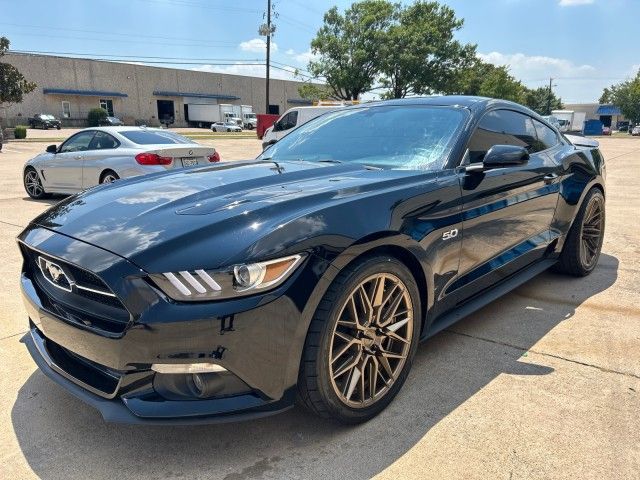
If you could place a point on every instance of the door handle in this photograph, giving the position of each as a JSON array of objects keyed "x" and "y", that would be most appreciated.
[
  {"x": 78, "y": 157},
  {"x": 549, "y": 178}
]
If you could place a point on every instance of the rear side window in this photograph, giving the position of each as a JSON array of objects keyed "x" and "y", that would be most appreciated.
[
  {"x": 502, "y": 127},
  {"x": 103, "y": 141},
  {"x": 152, "y": 137},
  {"x": 546, "y": 136}
]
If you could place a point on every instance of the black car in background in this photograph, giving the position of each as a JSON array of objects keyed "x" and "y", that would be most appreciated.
[
  {"x": 310, "y": 273},
  {"x": 44, "y": 121},
  {"x": 111, "y": 122}
]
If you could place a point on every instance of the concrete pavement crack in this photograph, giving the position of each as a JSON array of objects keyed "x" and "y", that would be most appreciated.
[
  {"x": 12, "y": 224},
  {"x": 545, "y": 354}
]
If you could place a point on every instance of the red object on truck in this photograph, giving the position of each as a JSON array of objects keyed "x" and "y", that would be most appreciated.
[{"x": 265, "y": 120}]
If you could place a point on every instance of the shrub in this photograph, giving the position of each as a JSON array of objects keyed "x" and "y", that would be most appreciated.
[
  {"x": 20, "y": 132},
  {"x": 96, "y": 116}
]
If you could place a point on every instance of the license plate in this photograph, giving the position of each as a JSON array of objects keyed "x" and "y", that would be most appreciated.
[{"x": 189, "y": 162}]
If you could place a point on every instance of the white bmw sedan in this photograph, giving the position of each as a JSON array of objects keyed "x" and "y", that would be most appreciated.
[{"x": 105, "y": 154}]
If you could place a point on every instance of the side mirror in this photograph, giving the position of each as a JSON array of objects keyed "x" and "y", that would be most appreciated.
[
  {"x": 52, "y": 149},
  {"x": 277, "y": 126},
  {"x": 500, "y": 156}
]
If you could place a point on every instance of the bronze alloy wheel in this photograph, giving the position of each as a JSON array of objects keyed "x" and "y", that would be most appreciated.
[
  {"x": 592, "y": 232},
  {"x": 371, "y": 340}
]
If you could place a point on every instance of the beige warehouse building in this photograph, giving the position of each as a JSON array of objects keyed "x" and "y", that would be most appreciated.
[{"x": 138, "y": 94}]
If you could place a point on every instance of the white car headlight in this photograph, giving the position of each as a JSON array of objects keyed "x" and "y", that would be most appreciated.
[{"x": 239, "y": 280}]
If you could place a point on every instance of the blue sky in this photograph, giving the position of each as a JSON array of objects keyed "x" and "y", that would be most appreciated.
[{"x": 584, "y": 44}]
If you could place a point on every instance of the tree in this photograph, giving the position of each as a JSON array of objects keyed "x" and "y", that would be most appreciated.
[
  {"x": 487, "y": 80},
  {"x": 540, "y": 99},
  {"x": 626, "y": 96},
  {"x": 13, "y": 85},
  {"x": 314, "y": 91},
  {"x": 348, "y": 47},
  {"x": 420, "y": 53}
]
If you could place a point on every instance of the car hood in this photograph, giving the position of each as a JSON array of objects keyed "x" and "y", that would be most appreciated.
[{"x": 206, "y": 217}]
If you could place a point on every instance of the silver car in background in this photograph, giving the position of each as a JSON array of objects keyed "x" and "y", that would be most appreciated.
[{"x": 105, "y": 154}]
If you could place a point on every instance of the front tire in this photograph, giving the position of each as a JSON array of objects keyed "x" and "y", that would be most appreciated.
[
  {"x": 361, "y": 341},
  {"x": 583, "y": 245},
  {"x": 33, "y": 185}
]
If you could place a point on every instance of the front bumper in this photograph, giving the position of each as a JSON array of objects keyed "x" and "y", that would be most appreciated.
[{"x": 258, "y": 339}]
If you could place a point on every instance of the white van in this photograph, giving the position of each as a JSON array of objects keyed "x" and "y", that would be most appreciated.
[{"x": 292, "y": 118}]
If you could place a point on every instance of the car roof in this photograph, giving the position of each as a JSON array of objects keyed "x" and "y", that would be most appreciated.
[{"x": 123, "y": 128}]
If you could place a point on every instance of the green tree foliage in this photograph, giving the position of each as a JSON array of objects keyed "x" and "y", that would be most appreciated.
[
  {"x": 13, "y": 85},
  {"x": 315, "y": 91},
  {"x": 420, "y": 54},
  {"x": 348, "y": 47},
  {"x": 626, "y": 96},
  {"x": 96, "y": 116},
  {"x": 487, "y": 80},
  {"x": 541, "y": 100}
]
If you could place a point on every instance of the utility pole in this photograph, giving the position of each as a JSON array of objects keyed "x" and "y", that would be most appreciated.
[
  {"x": 548, "y": 99},
  {"x": 268, "y": 29}
]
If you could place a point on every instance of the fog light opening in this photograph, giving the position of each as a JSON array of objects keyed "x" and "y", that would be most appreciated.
[{"x": 205, "y": 385}]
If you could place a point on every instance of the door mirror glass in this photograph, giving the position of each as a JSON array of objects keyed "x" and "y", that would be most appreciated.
[
  {"x": 52, "y": 149},
  {"x": 505, "y": 155}
]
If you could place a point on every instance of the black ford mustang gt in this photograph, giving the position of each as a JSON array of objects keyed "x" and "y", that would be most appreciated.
[{"x": 229, "y": 291}]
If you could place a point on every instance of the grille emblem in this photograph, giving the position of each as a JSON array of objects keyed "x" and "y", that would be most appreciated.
[{"x": 54, "y": 274}]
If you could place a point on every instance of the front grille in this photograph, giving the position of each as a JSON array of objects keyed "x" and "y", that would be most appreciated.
[{"x": 74, "y": 294}]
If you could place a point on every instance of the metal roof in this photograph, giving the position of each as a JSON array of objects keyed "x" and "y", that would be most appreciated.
[
  {"x": 608, "y": 110},
  {"x": 86, "y": 93},
  {"x": 161, "y": 93}
]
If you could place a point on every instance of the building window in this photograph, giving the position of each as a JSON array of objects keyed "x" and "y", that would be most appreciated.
[
  {"x": 66, "y": 110},
  {"x": 108, "y": 106}
]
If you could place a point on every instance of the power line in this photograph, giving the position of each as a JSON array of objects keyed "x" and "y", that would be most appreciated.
[
  {"x": 172, "y": 44},
  {"x": 133, "y": 57},
  {"x": 128, "y": 35}
]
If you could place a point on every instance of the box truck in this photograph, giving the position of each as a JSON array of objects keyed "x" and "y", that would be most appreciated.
[
  {"x": 569, "y": 120},
  {"x": 202, "y": 115}
]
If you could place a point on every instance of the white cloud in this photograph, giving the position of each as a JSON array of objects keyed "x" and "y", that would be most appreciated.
[
  {"x": 534, "y": 67},
  {"x": 250, "y": 71},
  {"x": 574, "y": 82},
  {"x": 573, "y": 3},
  {"x": 257, "y": 45},
  {"x": 303, "y": 57}
]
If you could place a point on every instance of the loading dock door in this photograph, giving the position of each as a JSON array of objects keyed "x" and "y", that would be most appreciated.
[{"x": 166, "y": 111}]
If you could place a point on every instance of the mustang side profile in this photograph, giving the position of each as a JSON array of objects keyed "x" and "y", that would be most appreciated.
[{"x": 311, "y": 273}]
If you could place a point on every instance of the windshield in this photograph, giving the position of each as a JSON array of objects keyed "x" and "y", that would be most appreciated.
[
  {"x": 47, "y": 117},
  {"x": 153, "y": 137},
  {"x": 410, "y": 137}
]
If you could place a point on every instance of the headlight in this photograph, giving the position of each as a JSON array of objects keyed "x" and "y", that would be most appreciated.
[{"x": 236, "y": 281}]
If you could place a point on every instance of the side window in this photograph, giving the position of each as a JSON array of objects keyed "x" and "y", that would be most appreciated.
[
  {"x": 289, "y": 120},
  {"x": 502, "y": 127},
  {"x": 546, "y": 136},
  {"x": 103, "y": 141},
  {"x": 78, "y": 143}
]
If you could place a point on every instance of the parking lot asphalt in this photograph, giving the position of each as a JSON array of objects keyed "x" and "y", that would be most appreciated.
[{"x": 542, "y": 383}]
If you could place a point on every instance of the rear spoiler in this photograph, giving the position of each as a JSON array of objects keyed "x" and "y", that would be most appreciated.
[{"x": 579, "y": 141}]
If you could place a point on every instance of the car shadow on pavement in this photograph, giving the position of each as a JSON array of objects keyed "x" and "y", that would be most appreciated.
[
  {"x": 62, "y": 438},
  {"x": 52, "y": 200}
]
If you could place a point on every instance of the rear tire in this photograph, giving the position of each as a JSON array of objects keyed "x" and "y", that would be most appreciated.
[
  {"x": 582, "y": 247},
  {"x": 355, "y": 362},
  {"x": 109, "y": 176}
]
